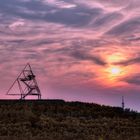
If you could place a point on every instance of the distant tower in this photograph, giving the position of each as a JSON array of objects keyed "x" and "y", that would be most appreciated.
[
  {"x": 123, "y": 104},
  {"x": 26, "y": 83}
]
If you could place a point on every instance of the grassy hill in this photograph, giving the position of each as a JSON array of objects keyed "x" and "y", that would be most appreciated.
[{"x": 60, "y": 120}]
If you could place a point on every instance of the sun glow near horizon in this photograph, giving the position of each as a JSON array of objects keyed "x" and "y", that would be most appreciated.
[
  {"x": 112, "y": 73},
  {"x": 115, "y": 71}
]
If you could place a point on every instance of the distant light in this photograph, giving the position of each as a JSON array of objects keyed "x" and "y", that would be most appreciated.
[{"x": 115, "y": 71}]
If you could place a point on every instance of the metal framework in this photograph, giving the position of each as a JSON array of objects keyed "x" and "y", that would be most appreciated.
[
  {"x": 123, "y": 104},
  {"x": 27, "y": 84}
]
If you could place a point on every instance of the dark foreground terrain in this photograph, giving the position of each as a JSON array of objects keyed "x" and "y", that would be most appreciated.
[{"x": 59, "y": 120}]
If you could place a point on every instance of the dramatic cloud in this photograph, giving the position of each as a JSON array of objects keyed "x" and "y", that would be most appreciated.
[
  {"x": 134, "y": 79},
  {"x": 72, "y": 43},
  {"x": 130, "y": 61},
  {"x": 86, "y": 57},
  {"x": 126, "y": 28},
  {"x": 16, "y": 24}
]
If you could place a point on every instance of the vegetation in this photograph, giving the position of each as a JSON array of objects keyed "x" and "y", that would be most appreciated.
[{"x": 60, "y": 120}]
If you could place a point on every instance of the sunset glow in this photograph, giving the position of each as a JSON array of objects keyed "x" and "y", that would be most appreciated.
[
  {"x": 115, "y": 71},
  {"x": 116, "y": 57},
  {"x": 85, "y": 50}
]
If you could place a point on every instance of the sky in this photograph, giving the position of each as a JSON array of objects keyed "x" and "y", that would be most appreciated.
[{"x": 80, "y": 50}]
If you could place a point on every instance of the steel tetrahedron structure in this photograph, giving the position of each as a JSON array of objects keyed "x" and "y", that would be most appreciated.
[{"x": 26, "y": 83}]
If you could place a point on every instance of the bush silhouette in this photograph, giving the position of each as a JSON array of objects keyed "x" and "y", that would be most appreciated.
[{"x": 60, "y": 120}]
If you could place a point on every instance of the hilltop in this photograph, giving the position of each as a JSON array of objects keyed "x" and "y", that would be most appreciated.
[{"x": 60, "y": 120}]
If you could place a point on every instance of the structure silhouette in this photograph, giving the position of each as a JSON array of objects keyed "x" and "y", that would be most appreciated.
[
  {"x": 27, "y": 84},
  {"x": 123, "y": 104}
]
